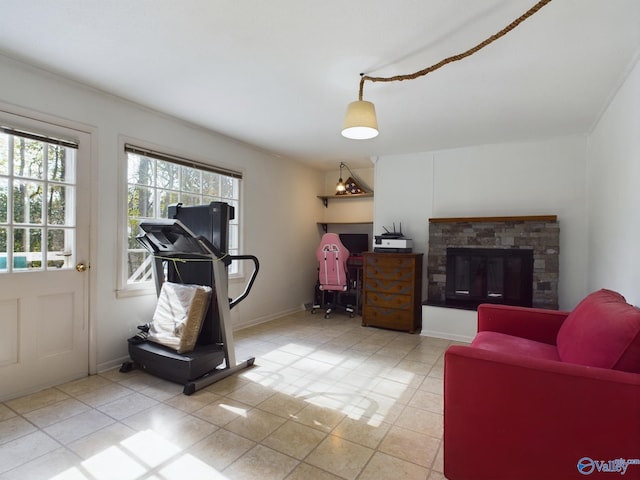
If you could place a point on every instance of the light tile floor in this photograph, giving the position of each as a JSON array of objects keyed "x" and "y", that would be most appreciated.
[{"x": 327, "y": 399}]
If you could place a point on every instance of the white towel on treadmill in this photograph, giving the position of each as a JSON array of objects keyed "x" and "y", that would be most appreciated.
[{"x": 178, "y": 317}]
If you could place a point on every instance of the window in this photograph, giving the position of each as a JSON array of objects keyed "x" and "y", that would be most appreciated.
[
  {"x": 37, "y": 202},
  {"x": 154, "y": 182}
]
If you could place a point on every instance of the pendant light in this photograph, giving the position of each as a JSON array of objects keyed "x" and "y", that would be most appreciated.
[{"x": 360, "y": 122}]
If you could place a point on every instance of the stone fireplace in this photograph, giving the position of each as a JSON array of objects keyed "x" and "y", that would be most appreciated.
[{"x": 480, "y": 243}]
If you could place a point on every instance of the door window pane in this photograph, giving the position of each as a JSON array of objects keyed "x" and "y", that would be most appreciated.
[
  {"x": 59, "y": 247},
  {"x": 4, "y": 197},
  {"x": 60, "y": 199},
  {"x": 27, "y": 202},
  {"x": 36, "y": 191},
  {"x": 27, "y": 248},
  {"x": 3, "y": 249},
  {"x": 60, "y": 165},
  {"x": 28, "y": 158},
  {"x": 4, "y": 154}
]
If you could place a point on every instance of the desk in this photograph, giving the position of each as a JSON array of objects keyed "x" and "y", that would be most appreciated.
[{"x": 355, "y": 268}]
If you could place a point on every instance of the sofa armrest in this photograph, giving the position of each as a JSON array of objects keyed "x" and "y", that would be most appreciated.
[
  {"x": 536, "y": 324},
  {"x": 512, "y": 417}
]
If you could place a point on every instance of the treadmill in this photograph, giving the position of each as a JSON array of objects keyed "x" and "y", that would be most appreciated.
[{"x": 191, "y": 248}]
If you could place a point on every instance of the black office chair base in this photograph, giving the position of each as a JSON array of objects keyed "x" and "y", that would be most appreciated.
[
  {"x": 349, "y": 310},
  {"x": 328, "y": 308}
]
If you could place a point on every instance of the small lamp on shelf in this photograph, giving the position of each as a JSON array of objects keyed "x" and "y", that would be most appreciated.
[
  {"x": 340, "y": 187},
  {"x": 351, "y": 186}
]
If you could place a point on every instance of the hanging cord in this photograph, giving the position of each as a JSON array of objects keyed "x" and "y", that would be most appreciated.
[{"x": 455, "y": 58}]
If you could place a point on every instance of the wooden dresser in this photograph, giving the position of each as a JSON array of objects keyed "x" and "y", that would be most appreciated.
[{"x": 393, "y": 291}]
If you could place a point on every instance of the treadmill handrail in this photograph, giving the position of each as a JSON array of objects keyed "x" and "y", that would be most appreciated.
[{"x": 247, "y": 289}]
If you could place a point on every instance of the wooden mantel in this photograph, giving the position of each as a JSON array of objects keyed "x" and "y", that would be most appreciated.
[{"x": 526, "y": 218}]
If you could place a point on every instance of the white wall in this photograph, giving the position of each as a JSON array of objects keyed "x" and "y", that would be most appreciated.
[
  {"x": 545, "y": 177},
  {"x": 279, "y": 201},
  {"x": 613, "y": 179},
  {"x": 549, "y": 176}
]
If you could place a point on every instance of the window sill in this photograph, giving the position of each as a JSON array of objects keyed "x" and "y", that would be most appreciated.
[
  {"x": 150, "y": 289},
  {"x": 136, "y": 291}
]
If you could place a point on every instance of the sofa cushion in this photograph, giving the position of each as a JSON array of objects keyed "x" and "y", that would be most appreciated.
[
  {"x": 602, "y": 331},
  {"x": 503, "y": 343}
]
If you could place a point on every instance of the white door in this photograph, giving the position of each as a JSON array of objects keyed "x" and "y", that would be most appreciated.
[{"x": 44, "y": 253}]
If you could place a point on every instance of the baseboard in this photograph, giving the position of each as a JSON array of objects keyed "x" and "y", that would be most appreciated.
[
  {"x": 446, "y": 336},
  {"x": 111, "y": 364},
  {"x": 267, "y": 318}
]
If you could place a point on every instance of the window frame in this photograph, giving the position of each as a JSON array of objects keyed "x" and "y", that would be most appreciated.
[{"x": 127, "y": 146}]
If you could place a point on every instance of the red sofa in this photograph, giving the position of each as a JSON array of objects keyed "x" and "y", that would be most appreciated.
[{"x": 542, "y": 394}]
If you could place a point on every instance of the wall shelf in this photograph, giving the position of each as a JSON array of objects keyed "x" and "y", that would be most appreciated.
[
  {"x": 325, "y": 198},
  {"x": 325, "y": 225},
  {"x": 526, "y": 218}
]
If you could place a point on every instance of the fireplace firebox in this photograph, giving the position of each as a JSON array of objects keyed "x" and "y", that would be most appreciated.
[
  {"x": 489, "y": 275},
  {"x": 539, "y": 233}
]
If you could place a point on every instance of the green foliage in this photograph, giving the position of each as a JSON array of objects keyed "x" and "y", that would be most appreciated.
[
  {"x": 32, "y": 194},
  {"x": 153, "y": 185}
]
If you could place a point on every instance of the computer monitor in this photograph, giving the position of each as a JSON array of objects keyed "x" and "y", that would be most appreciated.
[{"x": 356, "y": 243}]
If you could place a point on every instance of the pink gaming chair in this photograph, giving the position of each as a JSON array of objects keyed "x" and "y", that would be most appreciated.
[{"x": 333, "y": 276}]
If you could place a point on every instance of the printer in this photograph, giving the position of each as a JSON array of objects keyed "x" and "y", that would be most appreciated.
[{"x": 392, "y": 242}]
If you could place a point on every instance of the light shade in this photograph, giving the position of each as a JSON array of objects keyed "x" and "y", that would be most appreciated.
[{"x": 360, "y": 123}]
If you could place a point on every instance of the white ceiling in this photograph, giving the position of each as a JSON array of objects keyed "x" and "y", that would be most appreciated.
[{"x": 279, "y": 74}]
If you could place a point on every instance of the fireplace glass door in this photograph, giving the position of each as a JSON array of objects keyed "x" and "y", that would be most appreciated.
[{"x": 480, "y": 275}]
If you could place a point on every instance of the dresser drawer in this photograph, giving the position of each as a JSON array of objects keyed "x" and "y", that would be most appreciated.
[
  {"x": 392, "y": 300},
  {"x": 389, "y": 318},
  {"x": 386, "y": 286},
  {"x": 389, "y": 261},
  {"x": 390, "y": 274}
]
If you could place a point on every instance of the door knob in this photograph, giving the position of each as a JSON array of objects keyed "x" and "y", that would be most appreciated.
[{"x": 81, "y": 267}]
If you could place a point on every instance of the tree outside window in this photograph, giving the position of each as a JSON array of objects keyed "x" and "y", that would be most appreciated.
[{"x": 153, "y": 184}]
